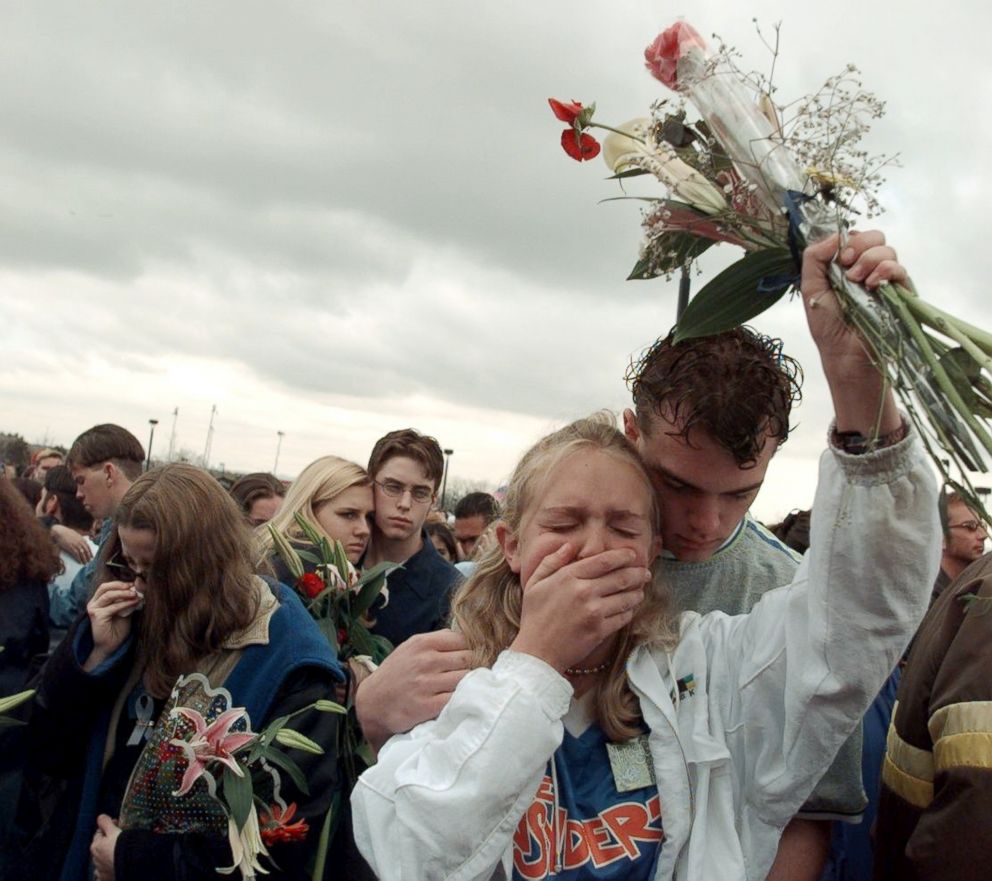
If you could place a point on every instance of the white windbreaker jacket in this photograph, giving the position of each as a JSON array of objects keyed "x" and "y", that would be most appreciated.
[{"x": 776, "y": 693}]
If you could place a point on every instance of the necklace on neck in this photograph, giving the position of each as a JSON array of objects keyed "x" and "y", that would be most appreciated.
[{"x": 587, "y": 671}]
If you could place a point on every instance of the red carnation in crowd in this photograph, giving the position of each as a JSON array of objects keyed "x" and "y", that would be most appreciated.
[
  {"x": 310, "y": 584},
  {"x": 275, "y": 827}
]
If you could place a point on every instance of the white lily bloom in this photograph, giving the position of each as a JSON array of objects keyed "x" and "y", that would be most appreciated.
[{"x": 635, "y": 149}]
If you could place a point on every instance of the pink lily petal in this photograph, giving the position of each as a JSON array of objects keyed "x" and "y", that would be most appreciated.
[
  {"x": 195, "y": 768},
  {"x": 194, "y": 717},
  {"x": 222, "y": 724}
]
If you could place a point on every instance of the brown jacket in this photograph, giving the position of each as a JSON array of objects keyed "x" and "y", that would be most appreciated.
[{"x": 935, "y": 811}]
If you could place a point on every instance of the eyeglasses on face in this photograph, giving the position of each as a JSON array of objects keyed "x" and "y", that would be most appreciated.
[
  {"x": 969, "y": 525},
  {"x": 124, "y": 572},
  {"x": 394, "y": 489}
]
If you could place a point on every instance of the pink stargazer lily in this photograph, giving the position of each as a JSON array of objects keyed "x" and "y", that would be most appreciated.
[{"x": 211, "y": 743}]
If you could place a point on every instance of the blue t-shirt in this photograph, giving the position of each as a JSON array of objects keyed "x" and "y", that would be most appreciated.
[{"x": 603, "y": 834}]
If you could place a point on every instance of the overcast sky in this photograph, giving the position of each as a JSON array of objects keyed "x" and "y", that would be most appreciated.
[{"x": 335, "y": 219}]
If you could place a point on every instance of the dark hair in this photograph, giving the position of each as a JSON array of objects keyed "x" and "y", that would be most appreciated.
[
  {"x": 26, "y": 551},
  {"x": 478, "y": 504},
  {"x": 793, "y": 530},
  {"x": 107, "y": 443},
  {"x": 29, "y": 488},
  {"x": 443, "y": 532},
  {"x": 249, "y": 488},
  {"x": 201, "y": 587},
  {"x": 59, "y": 483},
  {"x": 736, "y": 386},
  {"x": 408, "y": 442}
]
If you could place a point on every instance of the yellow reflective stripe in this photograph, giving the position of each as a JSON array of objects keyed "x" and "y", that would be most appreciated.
[
  {"x": 918, "y": 793},
  {"x": 971, "y": 750},
  {"x": 910, "y": 759},
  {"x": 907, "y": 770},
  {"x": 962, "y": 718}
]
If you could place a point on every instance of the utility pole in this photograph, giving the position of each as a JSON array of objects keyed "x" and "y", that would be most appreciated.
[
  {"x": 151, "y": 438},
  {"x": 279, "y": 436},
  {"x": 210, "y": 438},
  {"x": 172, "y": 438},
  {"x": 444, "y": 479}
]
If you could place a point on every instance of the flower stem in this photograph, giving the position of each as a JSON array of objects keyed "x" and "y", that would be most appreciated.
[
  {"x": 617, "y": 131},
  {"x": 939, "y": 374},
  {"x": 942, "y": 322}
]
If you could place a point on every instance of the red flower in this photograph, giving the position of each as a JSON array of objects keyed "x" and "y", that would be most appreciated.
[
  {"x": 662, "y": 56},
  {"x": 275, "y": 827},
  {"x": 342, "y": 636},
  {"x": 579, "y": 146},
  {"x": 566, "y": 112},
  {"x": 310, "y": 584}
]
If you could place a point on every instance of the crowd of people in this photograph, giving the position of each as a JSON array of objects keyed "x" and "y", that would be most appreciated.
[{"x": 613, "y": 672}]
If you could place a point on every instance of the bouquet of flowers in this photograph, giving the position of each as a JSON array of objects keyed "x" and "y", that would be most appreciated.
[
  {"x": 204, "y": 770},
  {"x": 738, "y": 174},
  {"x": 339, "y": 600}
]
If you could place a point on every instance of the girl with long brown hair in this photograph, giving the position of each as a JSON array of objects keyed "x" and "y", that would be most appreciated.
[{"x": 177, "y": 597}]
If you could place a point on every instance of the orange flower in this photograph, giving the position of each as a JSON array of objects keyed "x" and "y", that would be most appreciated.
[{"x": 275, "y": 826}]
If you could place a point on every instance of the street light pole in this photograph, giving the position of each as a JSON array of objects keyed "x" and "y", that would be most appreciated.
[
  {"x": 279, "y": 435},
  {"x": 444, "y": 479},
  {"x": 151, "y": 437}
]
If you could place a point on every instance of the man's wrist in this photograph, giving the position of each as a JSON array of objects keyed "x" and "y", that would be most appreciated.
[{"x": 855, "y": 443}]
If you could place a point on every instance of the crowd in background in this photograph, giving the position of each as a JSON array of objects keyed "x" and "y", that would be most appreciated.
[{"x": 618, "y": 612}]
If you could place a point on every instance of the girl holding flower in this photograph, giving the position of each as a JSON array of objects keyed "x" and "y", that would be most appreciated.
[{"x": 178, "y": 597}]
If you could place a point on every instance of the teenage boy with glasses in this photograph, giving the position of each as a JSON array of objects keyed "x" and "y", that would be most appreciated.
[{"x": 406, "y": 467}]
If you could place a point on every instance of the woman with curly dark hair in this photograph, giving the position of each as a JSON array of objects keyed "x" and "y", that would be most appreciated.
[{"x": 27, "y": 561}]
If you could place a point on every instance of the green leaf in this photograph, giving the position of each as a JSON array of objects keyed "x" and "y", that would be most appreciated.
[
  {"x": 329, "y": 628},
  {"x": 371, "y": 586},
  {"x": 281, "y": 760},
  {"x": 294, "y": 740},
  {"x": 10, "y": 723},
  {"x": 631, "y": 172},
  {"x": 326, "y": 832},
  {"x": 238, "y": 794},
  {"x": 966, "y": 373},
  {"x": 309, "y": 556},
  {"x": 365, "y": 752},
  {"x": 732, "y": 297},
  {"x": 668, "y": 252},
  {"x": 381, "y": 647}
]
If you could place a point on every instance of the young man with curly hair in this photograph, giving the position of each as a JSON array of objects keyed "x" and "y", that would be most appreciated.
[{"x": 708, "y": 416}]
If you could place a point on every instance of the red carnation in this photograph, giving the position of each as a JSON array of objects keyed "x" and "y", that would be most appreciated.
[
  {"x": 275, "y": 827},
  {"x": 579, "y": 146},
  {"x": 310, "y": 583},
  {"x": 662, "y": 56},
  {"x": 566, "y": 112}
]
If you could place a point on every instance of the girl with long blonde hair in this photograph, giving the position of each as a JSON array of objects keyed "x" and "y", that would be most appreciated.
[
  {"x": 332, "y": 495},
  {"x": 598, "y": 736}
]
